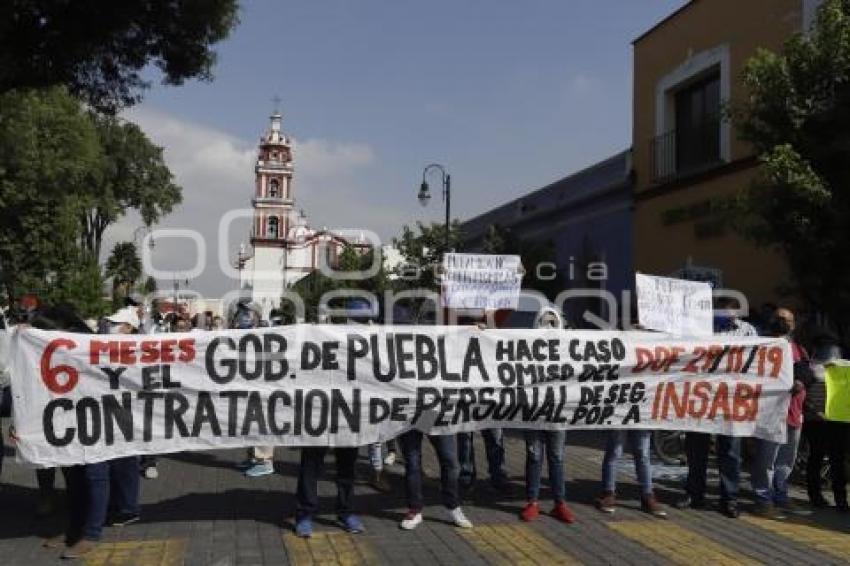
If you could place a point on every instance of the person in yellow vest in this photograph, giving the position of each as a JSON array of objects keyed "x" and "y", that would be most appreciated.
[
  {"x": 837, "y": 414},
  {"x": 816, "y": 429}
]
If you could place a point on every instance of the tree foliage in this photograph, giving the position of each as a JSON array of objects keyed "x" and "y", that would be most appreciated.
[
  {"x": 352, "y": 260},
  {"x": 98, "y": 48},
  {"x": 422, "y": 249},
  {"x": 65, "y": 175},
  {"x": 797, "y": 118},
  {"x": 124, "y": 264},
  {"x": 149, "y": 287},
  {"x": 133, "y": 176},
  {"x": 48, "y": 151}
]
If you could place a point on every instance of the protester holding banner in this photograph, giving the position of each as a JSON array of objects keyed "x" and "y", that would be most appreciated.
[
  {"x": 307, "y": 495},
  {"x": 494, "y": 449},
  {"x": 113, "y": 485},
  {"x": 640, "y": 443},
  {"x": 553, "y": 442},
  {"x": 728, "y": 448},
  {"x": 774, "y": 461},
  {"x": 444, "y": 446}
]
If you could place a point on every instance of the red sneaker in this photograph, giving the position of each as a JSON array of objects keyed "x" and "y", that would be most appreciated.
[
  {"x": 530, "y": 512},
  {"x": 563, "y": 513}
]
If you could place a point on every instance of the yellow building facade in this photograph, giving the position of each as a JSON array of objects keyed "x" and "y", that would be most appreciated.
[{"x": 687, "y": 159}]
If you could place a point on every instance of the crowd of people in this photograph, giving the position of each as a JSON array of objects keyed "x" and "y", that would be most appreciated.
[{"x": 107, "y": 493}]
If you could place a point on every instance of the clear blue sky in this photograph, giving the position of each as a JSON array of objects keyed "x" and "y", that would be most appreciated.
[{"x": 508, "y": 95}]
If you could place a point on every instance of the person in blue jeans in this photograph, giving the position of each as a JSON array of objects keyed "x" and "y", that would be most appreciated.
[
  {"x": 639, "y": 441},
  {"x": 553, "y": 443},
  {"x": 307, "y": 495},
  {"x": 411, "y": 450},
  {"x": 494, "y": 448}
]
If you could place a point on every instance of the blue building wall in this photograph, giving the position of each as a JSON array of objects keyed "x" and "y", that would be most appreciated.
[{"x": 587, "y": 216}]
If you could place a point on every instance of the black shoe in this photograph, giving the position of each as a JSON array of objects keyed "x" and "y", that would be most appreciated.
[
  {"x": 730, "y": 509},
  {"x": 688, "y": 502},
  {"x": 123, "y": 519},
  {"x": 842, "y": 506}
]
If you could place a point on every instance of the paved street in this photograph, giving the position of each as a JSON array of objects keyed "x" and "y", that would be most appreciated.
[{"x": 202, "y": 511}]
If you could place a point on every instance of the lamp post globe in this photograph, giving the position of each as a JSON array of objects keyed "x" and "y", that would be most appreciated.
[{"x": 424, "y": 194}]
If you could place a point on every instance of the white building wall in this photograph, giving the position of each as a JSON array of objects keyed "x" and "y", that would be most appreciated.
[{"x": 267, "y": 278}]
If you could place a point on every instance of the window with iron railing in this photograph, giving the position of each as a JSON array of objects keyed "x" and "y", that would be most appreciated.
[{"x": 694, "y": 144}]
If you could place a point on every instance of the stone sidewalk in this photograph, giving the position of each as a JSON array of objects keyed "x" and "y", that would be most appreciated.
[{"x": 201, "y": 510}]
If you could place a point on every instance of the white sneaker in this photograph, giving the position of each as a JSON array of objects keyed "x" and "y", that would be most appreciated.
[
  {"x": 151, "y": 473},
  {"x": 459, "y": 519},
  {"x": 411, "y": 520}
]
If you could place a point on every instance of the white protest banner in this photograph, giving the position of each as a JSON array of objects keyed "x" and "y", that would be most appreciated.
[
  {"x": 481, "y": 281},
  {"x": 676, "y": 306},
  {"x": 87, "y": 398}
]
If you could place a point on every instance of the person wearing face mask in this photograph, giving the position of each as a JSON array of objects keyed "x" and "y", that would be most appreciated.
[
  {"x": 774, "y": 461},
  {"x": 113, "y": 486}
]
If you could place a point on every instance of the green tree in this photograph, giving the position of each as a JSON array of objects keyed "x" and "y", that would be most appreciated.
[
  {"x": 422, "y": 249},
  {"x": 125, "y": 268},
  {"x": 351, "y": 259},
  {"x": 98, "y": 48},
  {"x": 133, "y": 176},
  {"x": 149, "y": 287},
  {"x": 49, "y": 151},
  {"x": 797, "y": 117},
  {"x": 82, "y": 287}
]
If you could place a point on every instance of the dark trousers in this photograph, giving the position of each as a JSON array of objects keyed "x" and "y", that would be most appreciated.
[
  {"x": 411, "y": 450},
  {"x": 112, "y": 486},
  {"x": 827, "y": 439},
  {"x": 312, "y": 462},
  {"x": 76, "y": 490},
  {"x": 46, "y": 480},
  {"x": 697, "y": 445},
  {"x": 494, "y": 448}
]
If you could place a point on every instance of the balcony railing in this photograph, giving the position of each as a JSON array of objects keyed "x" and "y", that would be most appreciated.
[{"x": 677, "y": 153}]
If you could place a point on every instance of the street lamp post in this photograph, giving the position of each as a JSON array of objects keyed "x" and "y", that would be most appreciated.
[{"x": 425, "y": 194}]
